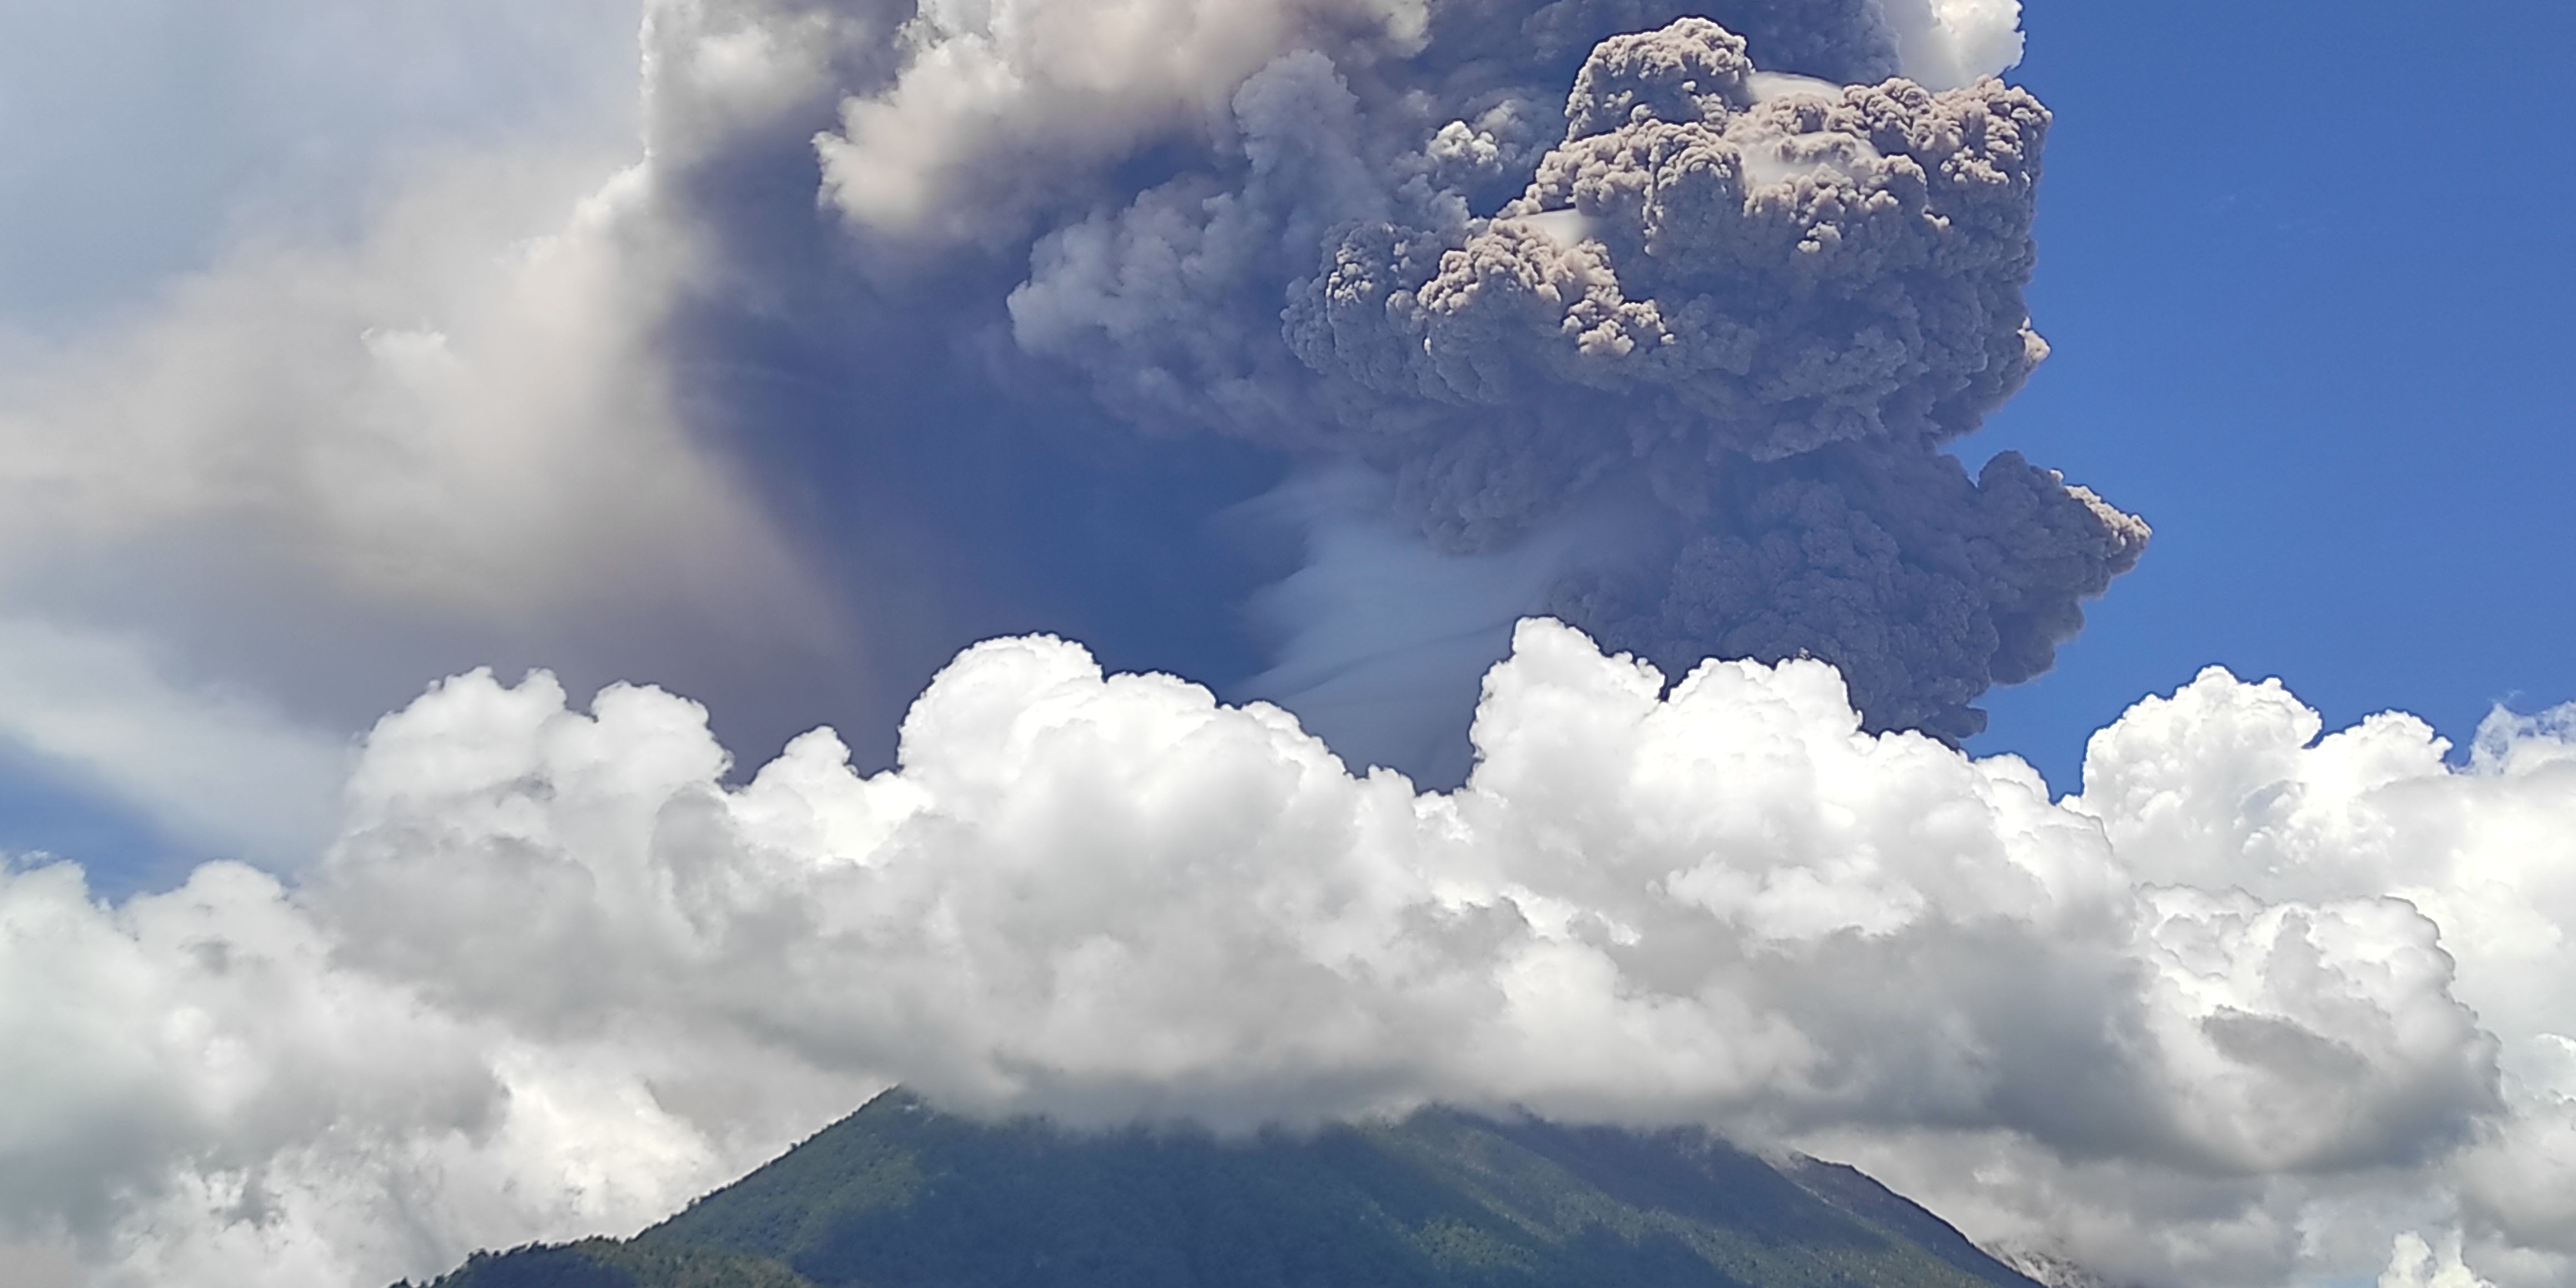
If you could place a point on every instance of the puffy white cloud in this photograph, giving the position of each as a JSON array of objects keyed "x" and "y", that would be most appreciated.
[
  {"x": 2227, "y": 784},
  {"x": 198, "y": 1093},
  {"x": 1946, "y": 44},
  {"x": 556, "y": 974},
  {"x": 2415, "y": 1264}
]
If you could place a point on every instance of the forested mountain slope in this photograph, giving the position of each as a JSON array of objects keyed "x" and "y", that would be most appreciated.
[{"x": 900, "y": 1195}]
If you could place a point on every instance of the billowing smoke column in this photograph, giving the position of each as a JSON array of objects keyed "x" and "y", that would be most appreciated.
[
  {"x": 1089, "y": 283},
  {"x": 1753, "y": 305}
]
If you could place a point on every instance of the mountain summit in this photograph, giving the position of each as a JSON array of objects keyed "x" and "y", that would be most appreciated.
[{"x": 902, "y": 1195}]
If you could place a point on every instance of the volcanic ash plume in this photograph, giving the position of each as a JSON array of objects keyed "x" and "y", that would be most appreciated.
[
  {"x": 1758, "y": 302},
  {"x": 1617, "y": 327}
]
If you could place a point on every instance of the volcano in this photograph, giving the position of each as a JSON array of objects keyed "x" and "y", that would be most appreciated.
[{"x": 904, "y": 1195}]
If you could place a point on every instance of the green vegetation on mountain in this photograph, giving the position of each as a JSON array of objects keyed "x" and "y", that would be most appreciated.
[
  {"x": 900, "y": 1195},
  {"x": 607, "y": 1263}
]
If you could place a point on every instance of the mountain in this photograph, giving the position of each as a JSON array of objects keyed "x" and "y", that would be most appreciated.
[{"x": 901, "y": 1195}]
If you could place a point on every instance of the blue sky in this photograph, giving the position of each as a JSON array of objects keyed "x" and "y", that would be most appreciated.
[{"x": 2307, "y": 275}]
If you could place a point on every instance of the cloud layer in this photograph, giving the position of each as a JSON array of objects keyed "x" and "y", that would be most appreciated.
[{"x": 2213, "y": 1021}]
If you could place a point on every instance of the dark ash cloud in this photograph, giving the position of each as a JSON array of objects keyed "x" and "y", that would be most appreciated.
[{"x": 1762, "y": 301}]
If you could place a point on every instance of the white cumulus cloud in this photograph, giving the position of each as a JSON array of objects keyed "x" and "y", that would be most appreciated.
[
  {"x": 1949, "y": 43},
  {"x": 556, "y": 974}
]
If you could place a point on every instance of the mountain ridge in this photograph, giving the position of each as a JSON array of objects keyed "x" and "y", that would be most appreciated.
[{"x": 903, "y": 1195}]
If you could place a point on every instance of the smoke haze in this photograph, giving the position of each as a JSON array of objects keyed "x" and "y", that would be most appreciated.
[{"x": 1086, "y": 289}]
